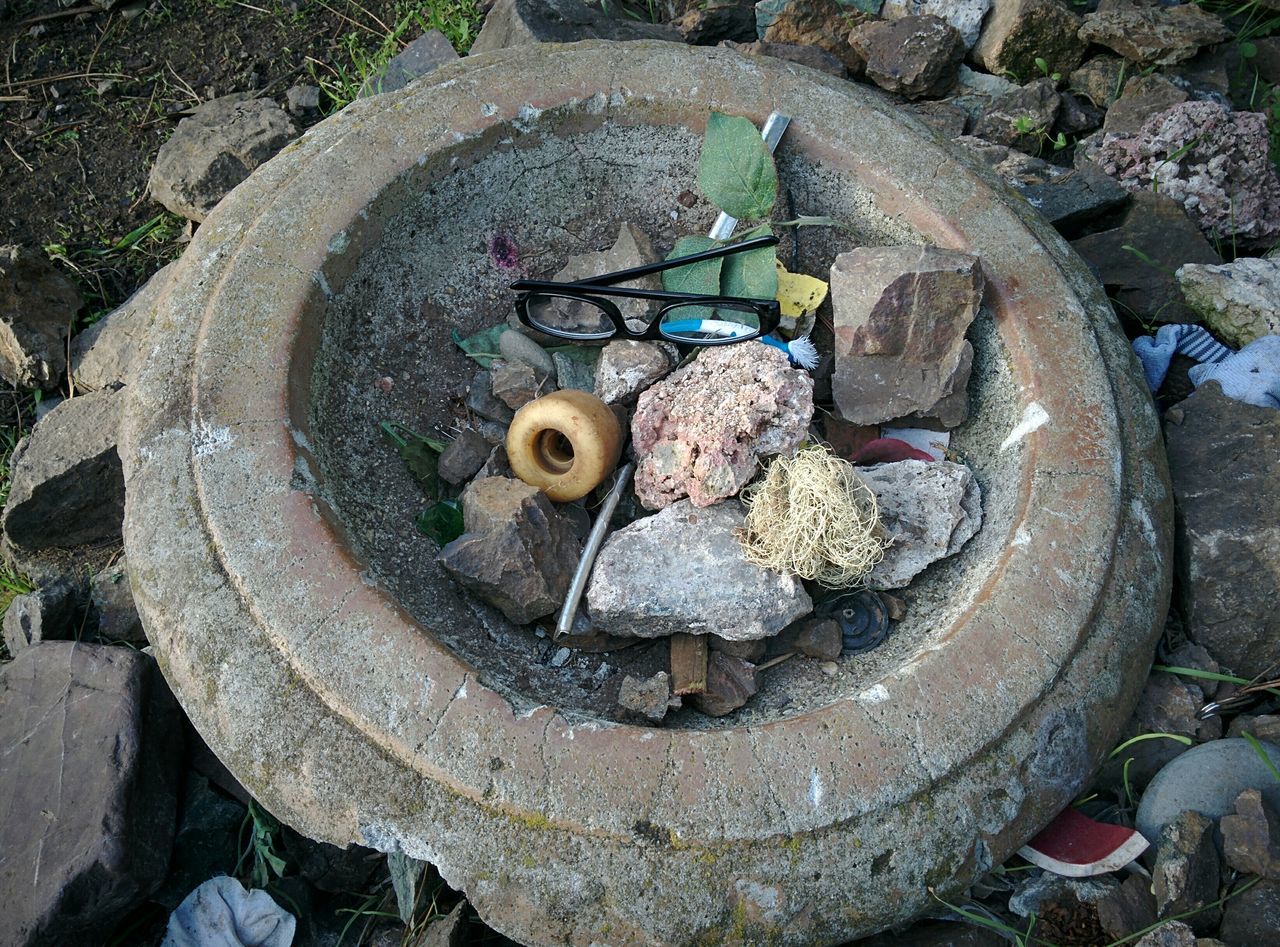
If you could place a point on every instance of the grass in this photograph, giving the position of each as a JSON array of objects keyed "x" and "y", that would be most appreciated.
[{"x": 364, "y": 52}]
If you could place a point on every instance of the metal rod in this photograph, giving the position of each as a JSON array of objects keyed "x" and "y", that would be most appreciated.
[
  {"x": 774, "y": 126},
  {"x": 589, "y": 552}
]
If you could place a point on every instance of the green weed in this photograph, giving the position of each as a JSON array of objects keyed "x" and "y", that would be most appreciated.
[{"x": 259, "y": 859}]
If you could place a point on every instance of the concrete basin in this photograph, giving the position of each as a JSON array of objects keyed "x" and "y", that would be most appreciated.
[{"x": 361, "y": 696}]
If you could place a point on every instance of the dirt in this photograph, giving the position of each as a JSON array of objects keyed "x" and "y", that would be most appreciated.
[{"x": 87, "y": 98}]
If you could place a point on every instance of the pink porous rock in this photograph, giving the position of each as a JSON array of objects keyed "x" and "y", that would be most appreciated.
[
  {"x": 1212, "y": 161},
  {"x": 701, "y": 431}
]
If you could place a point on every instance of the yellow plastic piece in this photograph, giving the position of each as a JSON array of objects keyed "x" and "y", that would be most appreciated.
[
  {"x": 798, "y": 294},
  {"x": 564, "y": 443}
]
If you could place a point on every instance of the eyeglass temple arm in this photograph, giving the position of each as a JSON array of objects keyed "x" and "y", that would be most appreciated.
[
  {"x": 547, "y": 286},
  {"x": 608, "y": 279}
]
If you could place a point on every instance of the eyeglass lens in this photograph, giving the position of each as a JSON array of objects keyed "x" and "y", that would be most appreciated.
[{"x": 694, "y": 323}]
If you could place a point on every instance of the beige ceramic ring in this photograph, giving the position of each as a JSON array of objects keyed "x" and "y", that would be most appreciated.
[{"x": 564, "y": 443}]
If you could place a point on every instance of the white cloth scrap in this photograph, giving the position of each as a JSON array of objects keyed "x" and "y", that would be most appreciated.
[{"x": 221, "y": 913}]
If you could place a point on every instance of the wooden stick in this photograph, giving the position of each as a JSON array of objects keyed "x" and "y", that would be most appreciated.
[
  {"x": 688, "y": 664},
  {"x": 775, "y": 661}
]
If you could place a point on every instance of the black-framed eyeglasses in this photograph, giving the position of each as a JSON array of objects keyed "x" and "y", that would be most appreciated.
[{"x": 580, "y": 311}]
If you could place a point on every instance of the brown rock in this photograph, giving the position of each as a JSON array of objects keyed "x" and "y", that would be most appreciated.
[
  {"x": 900, "y": 317},
  {"x": 1165, "y": 238},
  {"x": 810, "y": 56},
  {"x": 814, "y": 638},
  {"x": 91, "y": 742},
  {"x": 1251, "y": 837},
  {"x": 1128, "y": 908},
  {"x": 1265, "y": 728},
  {"x": 1100, "y": 80},
  {"x": 706, "y": 24},
  {"x": 944, "y": 117},
  {"x": 463, "y": 457},
  {"x": 700, "y": 431},
  {"x": 1017, "y": 32},
  {"x": 915, "y": 56},
  {"x": 821, "y": 23},
  {"x": 518, "y": 553},
  {"x": 516, "y": 383},
  {"x": 1143, "y": 96},
  {"x": 731, "y": 682},
  {"x": 37, "y": 306},
  {"x": 1227, "y": 488},
  {"x": 1022, "y": 118},
  {"x": 1153, "y": 35},
  {"x": 1185, "y": 877},
  {"x": 753, "y": 650}
]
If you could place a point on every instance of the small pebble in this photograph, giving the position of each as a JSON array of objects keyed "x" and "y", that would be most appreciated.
[
  {"x": 385, "y": 383},
  {"x": 561, "y": 658},
  {"x": 829, "y": 668}
]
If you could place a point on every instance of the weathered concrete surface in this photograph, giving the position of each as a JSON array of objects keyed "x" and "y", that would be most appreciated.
[{"x": 355, "y": 722}]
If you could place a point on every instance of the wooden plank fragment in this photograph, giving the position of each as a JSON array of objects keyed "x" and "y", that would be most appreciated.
[{"x": 688, "y": 664}]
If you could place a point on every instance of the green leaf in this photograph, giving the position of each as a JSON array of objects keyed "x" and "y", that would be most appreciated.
[
  {"x": 420, "y": 454},
  {"x": 483, "y": 345},
  {"x": 441, "y": 522},
  {"x": 404, "y": 872},
  {"x": 701, "y": 277},
  {"x": 736, "y": 171},
  {"x": 753, "y": 274},
  {"x": 276, "y": 862}
]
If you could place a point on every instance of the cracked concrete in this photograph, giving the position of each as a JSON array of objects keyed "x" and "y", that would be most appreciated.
[{"x": 396, "y": 719}]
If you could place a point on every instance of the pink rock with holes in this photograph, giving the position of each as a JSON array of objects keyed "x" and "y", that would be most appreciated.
[{"x": 701, "y": 431}]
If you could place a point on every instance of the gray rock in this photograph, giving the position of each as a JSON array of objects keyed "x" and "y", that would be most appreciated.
[
  {"x": 706, "y": 24},
  {"x": 91, "y": 742},
  {"x": 937, "y": 934},
  {"x": 572, "y": 373},
  {"x": 55, "y": 611},
  {"x": 1153, "y": 35},
  {"x": 1251, "y": 919},
  {"x": 497, "y": 465},
  {"x": 900, "y": 317},
  {"x": 1185, "y": 877},
  {"x": 329, "y": 867},
  {"x": 929, "y": 509},
  {"x": 67, "y": 484},
  {"x": 1207, "y": 779},
  {"x": 521, "y": 22},
  {"x": 112, "y": 598},
  {"x": 207, "y": 842},
  {"x": 463, "y": 457},
  {"x": 684, "y": 570},
  {"x": 1023, "y": 118},
  {"x": 424, "y": 55},
  {"x": 648, "y": 697},
  {"x": 1017, "y": 32},
  {"x": 752, "y": 651},
  {"x": 516, "y": 383},
  {"x": 1077, "y": 116},
  {"x": 627, "y": 367},
  {"x": 106, "y": 353},
  {"x": 37, "y": 306},
  {"x": 1142, "y": 97},
  {"x": 215, "y": 149},
  {"x": 517, "y": 347},
  {"x": 1251, "y": 836},
  {"x": 982, "y": 85},
  {"x": 1068, "y": 200},
  {"x": 517, "y": 554},
  {"x": 1227, "y": 488},
  {"x": 915, "y": 56},
  {"x": 964, "y": 15},
  {"x": 1172, "y": 934},
  {"x": 1165, "y": 238},
  {"x": 1034, "y": 893},
  {"x": 302, "y": 100},
  {"x": 1239, "y": 301},
  {"x": 481, "y": 401}
]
